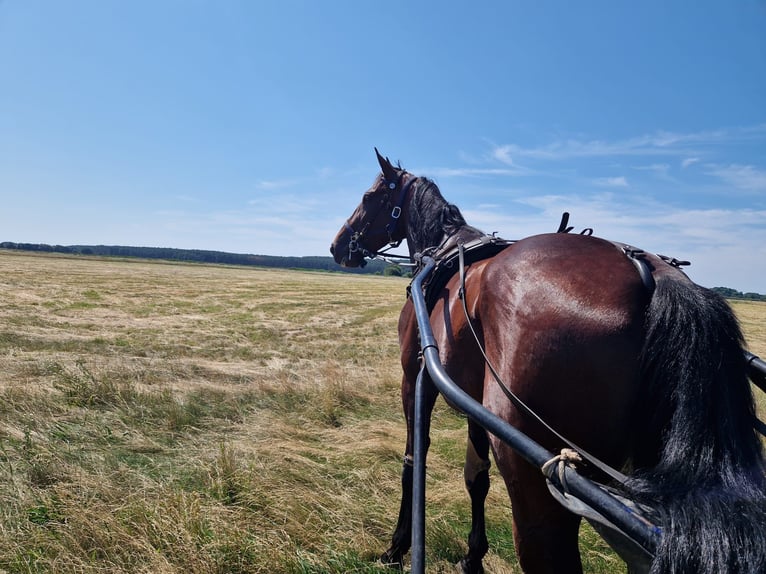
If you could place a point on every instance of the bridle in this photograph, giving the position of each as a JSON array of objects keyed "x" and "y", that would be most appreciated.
[{"x": 356, "y": 242}]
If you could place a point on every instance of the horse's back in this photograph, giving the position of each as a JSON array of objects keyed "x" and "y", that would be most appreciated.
[
  {"x": 576, "y": 277},
  {"x": 562, "y": 318}
]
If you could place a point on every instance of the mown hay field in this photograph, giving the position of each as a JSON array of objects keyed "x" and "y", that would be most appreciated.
[{"x": 164, "y": 417}]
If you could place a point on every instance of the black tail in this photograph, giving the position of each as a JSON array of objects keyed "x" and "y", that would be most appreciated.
[{"x": 703, "y": 465}]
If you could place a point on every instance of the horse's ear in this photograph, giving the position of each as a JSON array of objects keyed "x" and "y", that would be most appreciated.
[{"x": 389, "y": 172}]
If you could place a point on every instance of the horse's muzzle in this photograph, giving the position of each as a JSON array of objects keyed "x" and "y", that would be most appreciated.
[{"x": 342, "y": 261}]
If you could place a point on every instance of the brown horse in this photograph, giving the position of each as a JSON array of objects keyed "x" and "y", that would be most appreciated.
[{"x": 648, "y": 376}]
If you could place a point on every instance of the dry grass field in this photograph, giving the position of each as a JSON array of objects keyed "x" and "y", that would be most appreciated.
[
  {"x": 752, "y": 317},
  {"x": 163, "y": 418}
]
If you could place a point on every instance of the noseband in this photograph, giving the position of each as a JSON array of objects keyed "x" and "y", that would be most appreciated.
[{"x": 355, "y": 242}]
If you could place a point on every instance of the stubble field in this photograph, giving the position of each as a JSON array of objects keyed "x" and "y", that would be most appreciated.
[{"x": 159, "y": 417}]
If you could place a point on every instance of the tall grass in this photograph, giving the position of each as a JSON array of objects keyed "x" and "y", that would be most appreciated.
[{"x": 172, "y": 418}]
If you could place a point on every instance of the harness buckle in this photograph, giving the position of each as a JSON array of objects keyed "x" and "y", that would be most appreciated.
[{"x": 396, "y": 212}]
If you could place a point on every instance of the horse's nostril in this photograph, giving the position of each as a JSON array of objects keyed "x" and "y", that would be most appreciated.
[{"x": 332, "y": 250}]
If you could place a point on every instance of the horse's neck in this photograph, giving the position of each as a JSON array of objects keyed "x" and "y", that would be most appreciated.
[{"x": 426, "y": 228}]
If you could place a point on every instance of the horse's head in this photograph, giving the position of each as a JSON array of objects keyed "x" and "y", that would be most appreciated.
[{"x": 376, "y": 220}]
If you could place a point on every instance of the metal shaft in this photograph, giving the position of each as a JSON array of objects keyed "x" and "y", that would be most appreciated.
[{"x": 419, "y": 449}]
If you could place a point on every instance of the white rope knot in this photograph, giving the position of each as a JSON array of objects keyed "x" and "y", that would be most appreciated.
[{"x": 567, "y": 457}]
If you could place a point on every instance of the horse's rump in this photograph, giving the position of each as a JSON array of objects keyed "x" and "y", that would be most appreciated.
[{"x": 562, "y": 318}]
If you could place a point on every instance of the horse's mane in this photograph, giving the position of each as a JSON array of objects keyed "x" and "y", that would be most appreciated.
[{"x": 432, "y": 218}]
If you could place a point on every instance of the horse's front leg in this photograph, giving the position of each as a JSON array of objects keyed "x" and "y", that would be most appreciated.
[
  {"x": 476, "y": 475},
  {"x": 401, "y": 540}
]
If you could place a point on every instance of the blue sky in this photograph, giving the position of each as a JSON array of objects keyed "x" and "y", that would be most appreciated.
[{"x": 249, "y": 126}]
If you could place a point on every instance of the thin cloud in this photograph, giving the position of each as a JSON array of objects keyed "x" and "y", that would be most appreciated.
[
  {"x": 659, "y": 143},
  {"x": 689, "y": 161},
  {"x": 503, "y": 154},
  {"x": 659, "y": 169},
  {"x": 323, "y": 173},
  {"x": 476, "y": 172},
  {"x": 643, "y": 221},
  {"x": 744, "y": 177},
  {"x": 572, "y": 148},
  {"x": 620, "y": 181},
  {"x": 271, "y": 185}
]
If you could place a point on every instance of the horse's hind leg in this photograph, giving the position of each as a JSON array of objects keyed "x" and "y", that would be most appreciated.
[
  {"x": 476, "y": 475},
  {"x": 544, "y": 532},
  {"x": 401, "y": 540}
]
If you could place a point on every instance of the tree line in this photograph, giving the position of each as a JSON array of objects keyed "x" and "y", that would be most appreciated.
[
  {"x": 730, "y": 293},
  {"x": 200, "y": 256}
]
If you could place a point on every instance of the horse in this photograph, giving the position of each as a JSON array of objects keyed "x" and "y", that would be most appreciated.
[{"x": 646, "y": 374}]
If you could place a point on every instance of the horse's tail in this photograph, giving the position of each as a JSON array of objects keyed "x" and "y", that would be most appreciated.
[{"x": 707, "y": 482}]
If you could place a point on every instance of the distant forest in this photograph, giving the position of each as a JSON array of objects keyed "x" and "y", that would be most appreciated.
[
  {"x": 734, "y": 294},
  {"x": 204, "y": 256}
]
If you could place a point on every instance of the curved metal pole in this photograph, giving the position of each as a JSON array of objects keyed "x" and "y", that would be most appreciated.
[
  {"x": 419, "y": 450},
  {"x": 756, "y": 370},
  {"x": 636, "y": 527}
]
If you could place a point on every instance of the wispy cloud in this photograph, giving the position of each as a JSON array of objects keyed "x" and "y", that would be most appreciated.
[
  {"x": 323, "y": 173},
  {"x": 743, "y": 177},
  {"x": 271, "y": 185},
  {"x": 717, "y": 240},
  {"x": 686, "y": 162},
  {"x": 503, "y": 154},
  {"x": 659, "y": 143},
  {"x": 573, "y": 148},
  {"x": 476, "y": 172},
  {"x": 620, "y": 181},
  {"x": 658, "y": 169}
]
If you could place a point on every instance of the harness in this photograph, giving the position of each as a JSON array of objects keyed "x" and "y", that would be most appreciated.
[
  {"x": 638, "y": 258},
  {"x": 447, "y": 264}
]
